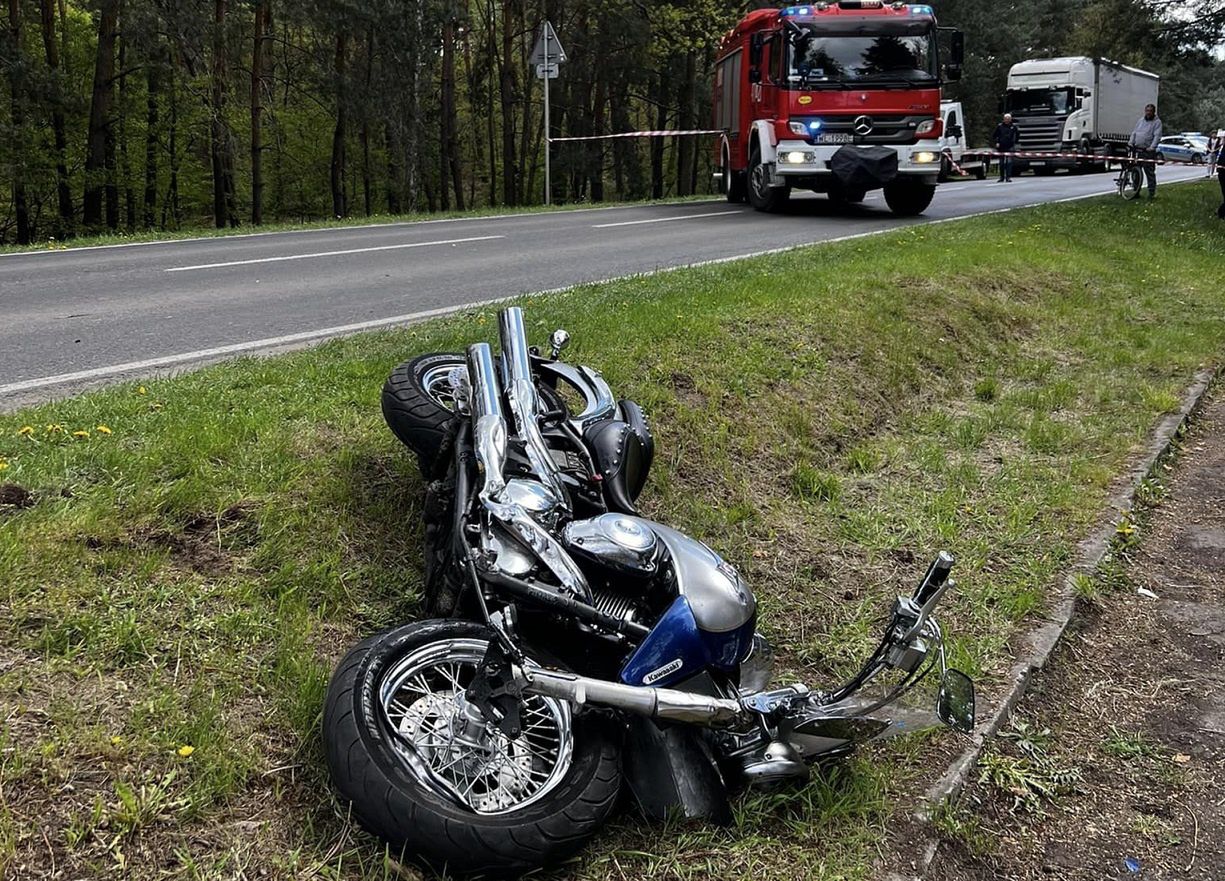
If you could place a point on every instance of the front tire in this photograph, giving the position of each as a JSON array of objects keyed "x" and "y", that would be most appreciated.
[
  {"x": 371, "y": 763},
  {"x": 762, "y": 196},
  {"x": 907, "y": 199}
]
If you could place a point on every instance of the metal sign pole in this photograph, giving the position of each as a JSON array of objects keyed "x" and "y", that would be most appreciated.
[{"x": 547, "y": 183}]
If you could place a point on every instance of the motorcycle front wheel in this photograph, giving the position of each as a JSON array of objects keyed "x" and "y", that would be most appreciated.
[{"x": 441, "y": 787}]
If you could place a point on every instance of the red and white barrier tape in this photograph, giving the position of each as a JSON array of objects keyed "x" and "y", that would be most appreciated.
[
  {"x": 1035, "y": 154},
  {"x": 661, "y": 134}
]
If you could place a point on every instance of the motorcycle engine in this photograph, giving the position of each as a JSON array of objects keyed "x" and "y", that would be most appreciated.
[{"x": 623, "y": 560}]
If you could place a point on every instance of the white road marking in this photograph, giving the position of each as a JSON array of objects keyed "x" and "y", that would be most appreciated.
[
  {"x": 415, "y": 317},
  {"x": 331, "y": 253},
  {"x": 346, "y": 228},
  {"x": 664, "y": 219}
]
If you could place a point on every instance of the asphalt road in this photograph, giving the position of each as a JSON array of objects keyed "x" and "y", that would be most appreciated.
[{"x": 83, "y": 317}]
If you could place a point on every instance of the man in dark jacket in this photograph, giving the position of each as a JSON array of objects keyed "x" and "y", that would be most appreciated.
[
  {"x": 1006, "y": 138},
  {"x": 1220, "y": 173}
]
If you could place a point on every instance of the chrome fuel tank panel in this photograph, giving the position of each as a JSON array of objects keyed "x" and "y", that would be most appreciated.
[
  {"x": 618, "y": 540},
  {"x": 720, "y": 599}
]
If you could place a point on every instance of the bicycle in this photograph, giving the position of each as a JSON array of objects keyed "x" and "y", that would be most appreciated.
[{"x": 1131, "y": 178}]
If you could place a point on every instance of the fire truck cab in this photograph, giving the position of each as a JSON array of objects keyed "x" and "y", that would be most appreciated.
[{"x": 839, "y": 98}]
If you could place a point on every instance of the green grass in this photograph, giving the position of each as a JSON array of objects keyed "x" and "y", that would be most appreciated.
[
  {"x": 828, "y": 418},
  {"x": 194, "y": 232}
]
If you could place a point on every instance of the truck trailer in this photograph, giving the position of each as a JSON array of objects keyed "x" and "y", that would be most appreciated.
[
  {"x": 1085, "y": 107},
  {"x": 839, "y": 98}
]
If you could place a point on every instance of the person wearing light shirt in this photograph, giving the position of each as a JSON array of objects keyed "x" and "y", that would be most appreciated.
[{"x": 1144, "y": 139}]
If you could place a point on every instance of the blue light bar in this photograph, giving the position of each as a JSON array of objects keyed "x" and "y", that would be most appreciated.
[
  {"x": 922, "y": 10},
  {"x": 797, "y": 10},
  {"x": 814, "y": 125}
]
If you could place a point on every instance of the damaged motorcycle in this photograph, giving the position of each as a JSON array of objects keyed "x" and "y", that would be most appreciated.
[{"x": 575, "y": 650}]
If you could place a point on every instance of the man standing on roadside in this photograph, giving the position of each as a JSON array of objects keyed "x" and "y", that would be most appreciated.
[
  {"x": 1220, "y": 171},
  {"x": 1144, "y": 140},
  {"x": 1006, "y": 138}
]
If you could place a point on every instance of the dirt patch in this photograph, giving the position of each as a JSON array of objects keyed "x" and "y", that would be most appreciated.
[
  {"x": 206, "y": 544},
  {"x": 1130, "y": 711},
  {"x": 14, "y": 496}
]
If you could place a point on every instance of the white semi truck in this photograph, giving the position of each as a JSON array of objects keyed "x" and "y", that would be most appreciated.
[{"x": 1085, "y": 106}]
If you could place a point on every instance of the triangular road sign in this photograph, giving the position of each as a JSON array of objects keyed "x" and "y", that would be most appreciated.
[{"x": 557, "y": 54}]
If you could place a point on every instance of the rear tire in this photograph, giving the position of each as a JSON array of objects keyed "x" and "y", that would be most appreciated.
[
  {"x": 762, "y": 196},
  {"x": 907, "y": 199},
  {"x": 421, "y": 825},
  {"x": 732, "y": 183},
  {"x": 414, "y": 406}
]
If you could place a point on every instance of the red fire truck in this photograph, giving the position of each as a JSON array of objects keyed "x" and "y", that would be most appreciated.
[{"x": 838, "y": 97}]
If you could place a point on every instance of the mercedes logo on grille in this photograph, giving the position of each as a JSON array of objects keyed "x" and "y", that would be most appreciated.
[{"x": 863, "y": 125}]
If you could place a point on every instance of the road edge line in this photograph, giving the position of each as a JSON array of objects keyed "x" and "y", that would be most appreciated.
[{"x": 81, "y": 381}]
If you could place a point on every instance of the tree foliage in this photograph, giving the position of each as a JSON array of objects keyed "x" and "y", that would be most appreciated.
[{"x": 130, "y": 114}]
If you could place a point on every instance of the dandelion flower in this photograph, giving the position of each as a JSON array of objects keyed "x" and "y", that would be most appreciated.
[
  {"x": 26, "y": 430},
  {"x": 116, "y": 740},
  {"x": 55, "y": 428},
  {"x": 102, "y": 429},
  {"x": 142, "y": 391},
  {"x": 4, "y": 464},
  {"x": 80, "y": 433},
  {"x": 186, "y": 750}
]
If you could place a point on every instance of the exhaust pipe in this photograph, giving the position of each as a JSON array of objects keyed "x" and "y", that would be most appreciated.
[
  {"x": 488, "y": 422},
  {"x": 524, "y": 399},
  {"x": 489, "y": 441},
  {"x": 664, "y": 704}
]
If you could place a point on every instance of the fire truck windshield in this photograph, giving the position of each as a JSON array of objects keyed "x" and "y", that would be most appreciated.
[{"x": 903, "y": 54}]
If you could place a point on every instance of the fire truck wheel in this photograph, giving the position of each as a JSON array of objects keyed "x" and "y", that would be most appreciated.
[
  {"x": 762, "y": 196},
  {"x": 731, "y": 183},
  {"x": 908, "y": 199}
]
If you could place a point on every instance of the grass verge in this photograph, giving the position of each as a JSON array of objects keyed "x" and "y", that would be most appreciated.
[
  {"x": 208, "y": 232},
  {"x": 183, "y": 561}
]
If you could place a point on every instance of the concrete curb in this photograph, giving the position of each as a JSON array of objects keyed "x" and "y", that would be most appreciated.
[{"x": 1041, "y": 641}]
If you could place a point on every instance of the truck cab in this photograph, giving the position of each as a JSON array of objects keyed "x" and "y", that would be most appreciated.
[{"x": 837, "y": 97}]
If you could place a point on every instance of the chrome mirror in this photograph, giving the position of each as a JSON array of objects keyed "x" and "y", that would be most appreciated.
[{"x": 955, "y": 704}]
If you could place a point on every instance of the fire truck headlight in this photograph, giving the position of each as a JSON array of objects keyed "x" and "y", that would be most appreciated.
[
  {"x": 925, "y": 156},
  {"x": 798, "y": 128},
  {"x": 797, "y": 157}
]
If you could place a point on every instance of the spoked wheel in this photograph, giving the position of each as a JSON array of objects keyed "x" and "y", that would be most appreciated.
[
  {"x": 1130, "y": 182},
  {"x": 425, "y": 771},
  {"x": 444, "y": 739}
]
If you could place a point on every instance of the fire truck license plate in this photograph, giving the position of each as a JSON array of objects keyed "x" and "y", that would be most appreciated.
[{"x": 834, "y": 138}]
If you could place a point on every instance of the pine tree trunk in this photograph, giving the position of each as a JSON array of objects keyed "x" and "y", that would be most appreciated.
[
  {"x": 684, "y": 153},
  {"x": 20, "y": 203},
  {"x": 153, "y": 84},
  {"x": 263, "y": 16},
  {"x": 100, "y": 108},
  {"x": 657, "y": 144},
  {"x": 125, "y": 165},
  {"x": 172, "y": 147},
  {"x": 511, "y": 14},
  {"x": 59, "y": 128},
  {"x": 365, "y": 132},
  {"x": 393, "y": 169},
  {"x": 339, "y": 208},
  {"x": 225, "y": 211},
  {"x": 449, "y": 150}
]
